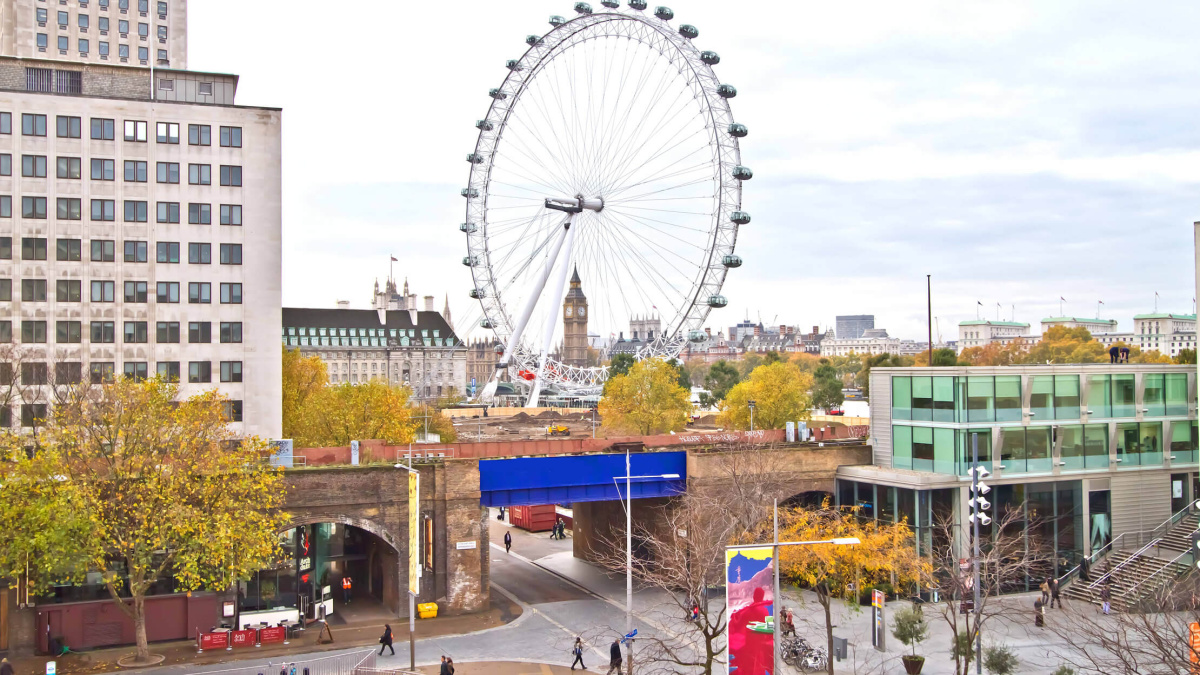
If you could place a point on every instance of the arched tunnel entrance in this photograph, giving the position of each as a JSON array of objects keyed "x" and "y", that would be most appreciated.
[{"x": 307, "y": 579}]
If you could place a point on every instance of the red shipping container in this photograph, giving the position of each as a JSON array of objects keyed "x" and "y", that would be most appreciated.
[{"x": 538, "y": 518}]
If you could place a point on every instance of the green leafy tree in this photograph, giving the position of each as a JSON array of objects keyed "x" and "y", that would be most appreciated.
[
  {"x": 748, "y": 363},
  {"x": 1187, "y": 356},
  {"x": 780, "y": 393},
  {"x": 771, "y": 357},
  {"x": 620, "y": 364},
  {"x": 647, "y": 400},
  {"x": 826, "y": 387},
  {"x": 1000, "y": 660},
  {"x": 721, "y": 378},
  {"x": 910, "y": 627},
  {"x": 684, "y": 380}
]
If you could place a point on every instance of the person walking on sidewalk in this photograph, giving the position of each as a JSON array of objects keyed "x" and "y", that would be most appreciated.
[
  {"x": 445, "y": 669},
  {"x": 1045, "y": 588},
  {"x": 1055, "y": 593},
  {"x": 346, "y": 584},
  {"x": 508, "y": 542},
  {"x": 6, "y": 668},
  {"x": 614, "y": 658},
  {"x": 577, "y": 650},
  {"x": 1106, "y": 598},
  {"x": 385, "y": 640}
]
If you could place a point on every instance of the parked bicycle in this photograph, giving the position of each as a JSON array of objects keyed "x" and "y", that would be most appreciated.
[{"x": 796, "y": 651}]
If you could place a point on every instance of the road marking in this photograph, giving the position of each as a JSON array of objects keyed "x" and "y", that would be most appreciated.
[{"x": 535, "y": 610}]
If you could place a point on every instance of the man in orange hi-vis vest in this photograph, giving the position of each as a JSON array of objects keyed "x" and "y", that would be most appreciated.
[{"x": 346, "y": 587}]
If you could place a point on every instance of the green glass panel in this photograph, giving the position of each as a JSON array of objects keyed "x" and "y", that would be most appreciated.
[
  {"x": 1123, "y": 396},
  {"x": 1176, "y": 387},
  {"x": 1095, "y": 446},
  {"x": 1152, "y": 443},
  {"x": 1066, "y": 397},
  {"x": 943, "y": 451},
  {"x": 981, "y": 399},
  {"x": 1008, "y": 398},
  {"x": 1038, "y": 449},
  {"x": 943, "y": 399},
  {"x": 922, "y": 399},
  {"x": 922, "y": 448},
  {"x": 1129, "y": 448},
  {"x": 902, "y": 398},
  {"x": 1183, "y": 442},
  {"x": 1012, "y": 450},
  {"x": 1099, "y": 396},
  {"x": 1041, "y": 398},
  {"x": 901, "y": 447},
  {"x": 1073, "y": 451},
  {"x": 1153, "y": 395}
]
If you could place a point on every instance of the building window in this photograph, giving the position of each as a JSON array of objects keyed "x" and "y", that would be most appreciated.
[
  {"x": 42, "y": 16},
  {"x": 70, "y": 168},
  {"x": 5, "y": 164},
  {"x": 143, "y": 29},
  {"x": 136, "y": 333},
  {"x": 64, "y": 43},
  {"x": 70, "y": 208},
  {"x": 33, "y": 248},
  {"x": 199, "y": 292},
  {"x": 199, "y": 134},
  {"x": 5, "y": 206},
  {"x": 33, "y": 290},
  {"x": 168, "y": 370},
  {"x": 123, "y": 51},
  {"x": 104, "y": 332},
  {"x": 101, "y": 372},
  {"x": 136, "y": 370},
  {"x": 167, "y": 332},
  {"x": 68, "y": 372},
  {"x": 168, "y": 132},
  {"x": 168, "y": 172},
  {"x": 83, "y": 46},
  {"x": 69, "y": 250},
  {"x": 68, "y": 290},
  {"x": 231, "y": 254},
  {"x": 135, "y": 171},
  {"x": 136, "y": 292},
  {"x": 6, "y": 333},
  {"x": 104, "y": 210},
  {"x": 231, "y": 371},
  {"x": 33, "y": 125},
  {"x": 33, "y": 332},
  {"x": 231, "y": 175},
  {"x": 233, "y": 411},
  {"x": 136, "y": 131},
  {"x": 168, "y": 212},
  {"x": 231, "y": 214},
  {"x": 103, "y": 129},
  {"x": 231, "y": 331},
  {"x": 199, "y": 371},
  {"x": 199, "y": 174},
  {"x": 143, "y": 54},
  {"x": 33, "y": 207},
  {"x": 103, "y": 169},
  {"x": 168, "y": 252},
  {"x": 64, "y": 19},
  {"x": 162, "y": 10},
  {"x": 103, "y": 250},
  {"x": 168, "y": 291},
  {"x": 231, "y": 294},
  {"x": 103, "y": 48},
  {"x": 33, "y": 166},
  {"x": 231, "y": 137},
  {"x": 136, "y": 212},
  {"x": 69, "y": 127},
  {"x": 5, "y": 123},
  {"x": 199, "y": 254},
  {"x": 199, "y": 214},
  {"x": 32, "y": 414},
  {"x": 204, "y": 89}
]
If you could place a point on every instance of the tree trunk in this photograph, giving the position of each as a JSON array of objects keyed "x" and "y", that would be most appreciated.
[
  {"x": 823, "y": 598},
  {"x": 139, "y": 627}
]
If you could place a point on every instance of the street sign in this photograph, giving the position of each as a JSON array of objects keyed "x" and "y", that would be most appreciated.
[
  {"x": 877, "y": 598},
  {"x": 629, "y": 636},
  {"x": 51, "y": 668}
]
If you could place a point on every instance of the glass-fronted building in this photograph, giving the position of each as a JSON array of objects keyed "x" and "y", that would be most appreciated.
[{"x": 1088, "y": 451}]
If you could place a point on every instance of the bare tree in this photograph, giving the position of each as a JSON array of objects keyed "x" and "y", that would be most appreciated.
[
  {"x": 1007, "y": 557},
  {"x": 1153, "y": 641}
]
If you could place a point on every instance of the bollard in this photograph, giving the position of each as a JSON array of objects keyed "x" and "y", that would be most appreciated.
[{"x": 199, "y": 647}]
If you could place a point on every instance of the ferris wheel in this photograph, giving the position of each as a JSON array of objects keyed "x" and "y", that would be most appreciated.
[{"x": 609, "y": 153}]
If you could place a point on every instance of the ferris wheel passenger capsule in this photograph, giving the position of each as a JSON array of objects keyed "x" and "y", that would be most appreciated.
[
  {"x": 611, "y": 4},
  {"x": 740, "y": 217},
  {"x": 475, "y": 158},
  {"x": 499, "y": 349},
  {"x": 696, "y": 336},
  {"x": 512, "y": 64},
  {"x": 469, "y": 193},
  {"x": 583, "y": 8},
  {"x": 732, "y": 260},
  {"x": 484, "y": 323},
  {"x": 638, "y": 4},
  {"x": 663, "y": 13},
  {"x": 470, "y": 261},
  {"x": 710, "y": 57},
  {"x": 738, "y": 130},
  {"x": 532, "y": 40},
  {"x": 742, "y": 173},
  {"x": 557, "y": 21},
  {"x": 497, "y": 94},
  {"x": 689, "y": 31},
  {"x": 476, "y": 294},
  {"x": 717, "y": 301},
  {"x": 483, "y": 125},
  {"x": 726, "y": 91},
  {"x": 467, "y": 228}
]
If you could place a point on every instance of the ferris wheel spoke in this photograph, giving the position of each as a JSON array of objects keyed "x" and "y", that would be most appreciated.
[
  {"x": 668, "y": 255},
  {"x": 632, "y": 174},
  {"x": 675, "y": 174},
  {"x": 636, "y": 143},
  {"x": 641, "y": 270}
]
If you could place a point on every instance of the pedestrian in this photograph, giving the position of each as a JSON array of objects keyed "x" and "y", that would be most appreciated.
[
  {"x": 695, "y": 612},
  {"x": 1113, "y": 352},
  {"x": 386, "y": 640},
  {"x": 789, "y": 625},
  {"x": 1106, "y": 598},
  {"x": 508, "y": 542},
  {"x": 445, "y": 669},
  {"x": 1055, "y": 593},
  {"x": 1085, "y": 569},
  {"x": 346, "y": 584},
  {"x": 1045, "y": 588},
  {"x": 1039, "y": 617},
  {"x": 6, "y": 668},
  {"x": 614, "y": 658},
  {"x": 577, "y": 650},
  {"x": 1124, "y": 354},
  {"x": 449, "y": 665}
]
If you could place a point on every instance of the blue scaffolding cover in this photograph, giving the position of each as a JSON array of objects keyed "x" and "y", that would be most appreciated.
[{"x": 579, "y": 478}]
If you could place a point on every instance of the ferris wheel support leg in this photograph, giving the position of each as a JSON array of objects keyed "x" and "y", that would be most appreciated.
[
  {"x": 552, "y": 318},
  {"x": 514, "y": 339}
]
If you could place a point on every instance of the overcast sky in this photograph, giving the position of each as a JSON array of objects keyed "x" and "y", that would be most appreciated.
[{"x": 1019, "y": 152}]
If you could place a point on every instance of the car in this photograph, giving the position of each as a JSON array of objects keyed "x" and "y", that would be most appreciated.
[{"x": 836, "y": 411}]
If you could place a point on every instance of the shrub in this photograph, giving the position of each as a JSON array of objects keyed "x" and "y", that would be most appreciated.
[{"x": 1000, "y": 660}]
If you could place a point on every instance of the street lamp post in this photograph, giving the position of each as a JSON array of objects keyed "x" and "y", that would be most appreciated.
[
  {"x": 978, "y": 505},
  {"x": 777, "y": 599},
  {"x": 751, "y": 404},
  {"x": 628, "y": 504}
]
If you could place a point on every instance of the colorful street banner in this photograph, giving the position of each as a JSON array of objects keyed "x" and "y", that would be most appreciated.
[
  {"x": 1194, "y": 646},
  {"x": 414, "y": 533},
  {"x": 749, "y": 580}
]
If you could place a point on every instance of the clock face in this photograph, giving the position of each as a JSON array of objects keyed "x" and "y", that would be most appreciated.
[
  {"x": 583, "y": 311},
  {"x": 569, "y": 310}
]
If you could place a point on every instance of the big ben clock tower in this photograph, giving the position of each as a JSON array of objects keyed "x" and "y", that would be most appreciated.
[{"x": 575, "y": 320}]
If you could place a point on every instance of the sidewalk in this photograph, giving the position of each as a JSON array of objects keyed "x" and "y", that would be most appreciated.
[
  {"x": 509, "y": 668},
  {"x": 183, "y": 652}
]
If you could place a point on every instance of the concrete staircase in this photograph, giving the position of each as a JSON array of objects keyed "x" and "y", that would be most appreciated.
[{"x": 1178, "y": 537}]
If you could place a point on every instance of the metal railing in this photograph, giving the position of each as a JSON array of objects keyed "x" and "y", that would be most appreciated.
[
  {"x": 1173, "y": 519},
  {"x": 384, "y": 671},
  {"x": 348, "y": 663},
  {"x": 1160, "y": 570},
  {"x": 1091, "y": 558},
  {"x": 1137, "y": 554}
]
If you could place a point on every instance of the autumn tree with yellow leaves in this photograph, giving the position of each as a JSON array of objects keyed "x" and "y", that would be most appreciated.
[
  {"x": 136, "y": 484},
  {"x": 886, "y": 554},
  {"x": 780, "y": 391},
  {"x": 646, "y": 400}
]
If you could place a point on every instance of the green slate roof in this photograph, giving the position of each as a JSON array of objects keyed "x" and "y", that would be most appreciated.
[
  {"x": 1111, "y": 322},
  {"x": 988, "y": 322},
  {"x": 1184, "y": 317}
]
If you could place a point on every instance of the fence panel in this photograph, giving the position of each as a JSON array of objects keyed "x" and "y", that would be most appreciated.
[{"x": 350, "y": 663}]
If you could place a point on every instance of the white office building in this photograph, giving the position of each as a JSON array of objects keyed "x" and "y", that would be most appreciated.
[
  {"x": 983, "y": 332},
  {"x": 140, "y": 209}
]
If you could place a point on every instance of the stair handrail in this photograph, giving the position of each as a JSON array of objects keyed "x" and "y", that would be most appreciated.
[
  {"x": 1174, "y": 518},
  {"x": 1161, "y": 569},
  {"x": 1137, "y": 554},
  {"x": 1093, "y": 557}
]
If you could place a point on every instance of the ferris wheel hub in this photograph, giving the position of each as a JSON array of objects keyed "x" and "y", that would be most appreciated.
[{"x": 576, "y": 204}]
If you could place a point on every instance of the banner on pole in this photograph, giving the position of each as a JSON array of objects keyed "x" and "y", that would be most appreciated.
[
  {"x": 749, "y": 580},
  {"x": 414, "y": 530},
  {"x": 1194, "y": 645}
]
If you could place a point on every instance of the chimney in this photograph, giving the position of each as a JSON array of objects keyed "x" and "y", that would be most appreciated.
[
  {"x": 708, "y": 331},
  {"x": 343, "y": 304},
  {"x": 816, "y": 329},
  {"x": 757, "y": 331},
  {"x": 783, "y": 329},
  {"x": 429, "y": 303}
]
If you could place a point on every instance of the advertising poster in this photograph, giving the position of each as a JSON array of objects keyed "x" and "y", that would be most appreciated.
[
  {"x": 749, "y": 575},
  {"x": 414, "y": 533}
]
